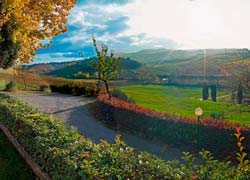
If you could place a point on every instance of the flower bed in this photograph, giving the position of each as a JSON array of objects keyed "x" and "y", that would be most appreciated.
[{"x": 212, "y": 134}]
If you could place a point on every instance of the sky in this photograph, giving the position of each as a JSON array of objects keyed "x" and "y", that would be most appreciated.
[{"x": 133, "y": 25}]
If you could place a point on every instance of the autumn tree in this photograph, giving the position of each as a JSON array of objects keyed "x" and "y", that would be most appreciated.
[
  {"x": 31, "y": 24},
  {"x": 105, "y": 66},
  {"x": 21, "y": 72}
]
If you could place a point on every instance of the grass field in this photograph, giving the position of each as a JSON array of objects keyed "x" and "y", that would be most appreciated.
[
  {"x": 12, "y": 166},
  {"x": 183, "y": 101}
]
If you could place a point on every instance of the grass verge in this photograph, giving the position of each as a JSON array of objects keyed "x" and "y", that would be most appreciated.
[
  {"x": 183, "y": 100},
  {"x": 12, "y": 166}
]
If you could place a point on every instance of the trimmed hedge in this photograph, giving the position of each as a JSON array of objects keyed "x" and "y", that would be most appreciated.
[
  {"x": 214, "y": 135},
  {"x": 72, "y": 87},
  {"x": 74, "y": 90},
  {"x": 66, "y": 155}
]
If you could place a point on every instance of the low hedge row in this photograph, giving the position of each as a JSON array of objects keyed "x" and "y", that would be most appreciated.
[
  {"x": 72, "y": 87},
  {"x": 66, "y": 155},
  {"x": 74, "y": 90},
  {"x": 214, "y": 135}
]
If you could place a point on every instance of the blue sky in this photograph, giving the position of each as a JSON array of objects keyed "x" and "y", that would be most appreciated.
[{"x": 132, "y": 25}]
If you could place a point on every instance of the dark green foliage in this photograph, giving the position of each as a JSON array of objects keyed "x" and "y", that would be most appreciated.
[
  {"x": 12, "y": 165},
  {"x": 205, "y": 92},
  {"x": 213, "y": 93},
  {"x": 74, "y": 90},
  {"x": 44, "y": 88},
  {"x": 8, "y": 48},
  {"x": 171, "y": 131},
  {"x": 65, "y": 155},
  {"x": 121, "y": 95},
  {"x": 10, "y": 87},
  {"x": 240, "y": 94},
  {"x": 127, "y": 63},
  {"x": 70, "y": 69}
]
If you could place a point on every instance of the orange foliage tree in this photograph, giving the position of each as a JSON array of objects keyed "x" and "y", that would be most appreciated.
[{"x": 33, "y": 23}]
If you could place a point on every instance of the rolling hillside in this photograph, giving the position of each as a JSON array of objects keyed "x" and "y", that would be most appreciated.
[
  {"x": 188, "y": 62},
  {"x": 70, "y": 69},
  {"x": 158, "y": 61}
]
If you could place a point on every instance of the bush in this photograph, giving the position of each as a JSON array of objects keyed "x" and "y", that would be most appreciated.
[
  {"x": 75, "y": 90},
  {"x": 10, "y": 87},
  {"x": 45, "y": 88},
  {"x": 121, "y": 95},
  {"x": 171, "y": 129},
  {"x": 66, "y": 155}
]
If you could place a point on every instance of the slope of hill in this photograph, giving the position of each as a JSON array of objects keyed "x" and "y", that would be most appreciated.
[
  {"x": 158, "y": 61},
  {"x": 70, "y": 69},
  {"x": 187, "y": 61}
]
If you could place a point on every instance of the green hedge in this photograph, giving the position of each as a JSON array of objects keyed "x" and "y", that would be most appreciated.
[
  {"x": 74, "y": 90},
  {"x": 64, "y": 154},
  {"x": 218, "y": 140}
]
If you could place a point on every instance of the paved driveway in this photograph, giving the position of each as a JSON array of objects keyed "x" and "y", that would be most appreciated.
[{"x": 74, "y": 111}]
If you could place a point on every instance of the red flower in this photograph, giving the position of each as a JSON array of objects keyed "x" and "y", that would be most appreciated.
[{"x": 238, "y": 130}]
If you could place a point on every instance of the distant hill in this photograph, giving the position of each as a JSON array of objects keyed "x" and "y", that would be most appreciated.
[
  {"x": 187, "y": 61},
  {"x": 158, "y": 61},
  {"x": 70, "y": 69}
]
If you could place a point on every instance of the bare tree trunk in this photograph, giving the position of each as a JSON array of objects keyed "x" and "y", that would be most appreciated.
[
  {"x": 107, "y": 88},
  {"x": 25, "y": 85}
]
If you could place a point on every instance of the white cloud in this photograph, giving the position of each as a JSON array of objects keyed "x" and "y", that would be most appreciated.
[
  {"x": 193, "y": 24},
  {"x": 55, "y": 57},
  {"x": 162, "y": 23}
]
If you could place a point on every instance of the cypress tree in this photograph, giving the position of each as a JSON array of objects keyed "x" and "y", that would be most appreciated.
[
  {"x": 240, "y": 93},
  {"x": 213, "y": 93},
  {"x": 205, "y": 92}
]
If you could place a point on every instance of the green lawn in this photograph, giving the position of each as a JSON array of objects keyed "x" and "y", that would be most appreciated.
[
  {"x": 183, "y": 101},
  {"x": 2, "y": 85},
  {"x": 12, "y": 166}
]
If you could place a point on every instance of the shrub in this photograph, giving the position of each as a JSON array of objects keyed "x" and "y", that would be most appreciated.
[
  {"x": 74, "y": 89},
  {"x": 66, "y": 155},
  {"x": 10, "y": 87},
  {"x": 45, "y": 88},
  {"x": 169, "y": 128}
]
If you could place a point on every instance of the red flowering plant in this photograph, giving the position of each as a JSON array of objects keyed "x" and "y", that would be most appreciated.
[
  {"x": 207, "y": 121},
  {"x": 241, "y": 155},
  {"x": 171, "y": 129}
]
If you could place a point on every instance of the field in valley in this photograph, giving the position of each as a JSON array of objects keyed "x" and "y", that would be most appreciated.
[{"x": 183, "y": 100}]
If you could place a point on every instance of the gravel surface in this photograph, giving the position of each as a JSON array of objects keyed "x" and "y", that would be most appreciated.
[{"x": 74, "y": 111}]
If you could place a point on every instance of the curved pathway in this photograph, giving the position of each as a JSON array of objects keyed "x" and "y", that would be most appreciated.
[{"x": 74, "y": 111}]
